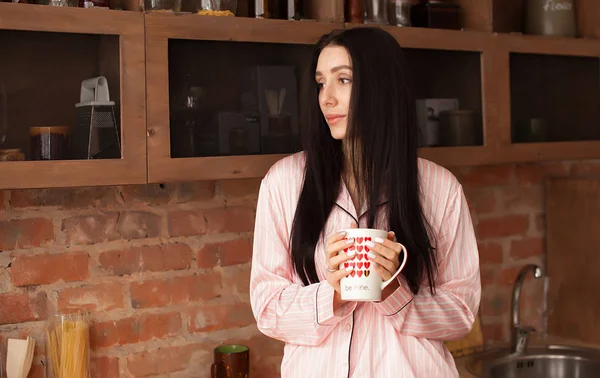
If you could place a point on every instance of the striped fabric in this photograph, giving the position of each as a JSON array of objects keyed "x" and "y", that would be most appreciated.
[{"x": 401, "y": 336}]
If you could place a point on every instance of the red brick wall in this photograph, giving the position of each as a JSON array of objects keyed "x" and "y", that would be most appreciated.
[
  {"x": 164, "y": 272},
  {"x": 164, "y": 269}
]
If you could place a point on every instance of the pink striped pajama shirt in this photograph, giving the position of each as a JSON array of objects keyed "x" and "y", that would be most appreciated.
[{"x": 401, "y": 336}]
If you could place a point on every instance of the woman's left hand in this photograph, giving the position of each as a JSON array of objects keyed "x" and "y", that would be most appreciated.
[{"x": 386, "y": 255}]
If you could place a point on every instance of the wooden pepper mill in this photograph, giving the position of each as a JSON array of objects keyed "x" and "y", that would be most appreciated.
[{"x": 231, "y": 361}]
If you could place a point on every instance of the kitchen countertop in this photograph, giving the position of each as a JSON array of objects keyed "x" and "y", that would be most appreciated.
[{"x": 461, "y": 361}]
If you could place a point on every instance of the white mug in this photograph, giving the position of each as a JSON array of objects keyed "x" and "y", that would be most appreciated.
[{"x": 364, "y": 283}]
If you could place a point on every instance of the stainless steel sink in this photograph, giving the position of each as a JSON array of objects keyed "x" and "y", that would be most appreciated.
[{"x": 552, "y": 361}]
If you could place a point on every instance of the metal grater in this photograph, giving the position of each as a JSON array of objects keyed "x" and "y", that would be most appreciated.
[{"x": 96, "y": 133}]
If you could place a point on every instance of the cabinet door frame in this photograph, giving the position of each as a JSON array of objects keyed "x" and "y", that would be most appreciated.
[
  {"x": 131, "y": 167},
  {"x": 162, "y": 27}
]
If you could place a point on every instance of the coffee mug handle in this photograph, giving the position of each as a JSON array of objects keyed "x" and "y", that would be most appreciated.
[{"x": 385, "y": 283}]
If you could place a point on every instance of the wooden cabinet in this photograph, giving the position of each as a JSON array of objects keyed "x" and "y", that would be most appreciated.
[
  {"x": 45, "y": 54},
  {"x": 185, "y": 88},
  {"x": 213, "y": 56}
]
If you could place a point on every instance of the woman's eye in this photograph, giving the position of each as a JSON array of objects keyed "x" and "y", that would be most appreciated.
[{"x": 345, "y": 80}]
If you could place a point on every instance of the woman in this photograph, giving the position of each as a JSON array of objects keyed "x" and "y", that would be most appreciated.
[{"x": 360, "y": 169}]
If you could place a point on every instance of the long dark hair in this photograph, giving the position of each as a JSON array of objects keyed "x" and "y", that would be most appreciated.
[{"x": 382, "y": 136}]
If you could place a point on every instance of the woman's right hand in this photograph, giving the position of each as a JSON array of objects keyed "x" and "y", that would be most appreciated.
[{"x": 335, "y": 272}]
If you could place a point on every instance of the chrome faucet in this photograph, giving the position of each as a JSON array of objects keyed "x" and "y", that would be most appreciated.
[{"x": 519, "y": 333}]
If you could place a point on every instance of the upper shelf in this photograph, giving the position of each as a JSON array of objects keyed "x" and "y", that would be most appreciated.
[
  {"x": 238, "y": 29},
  {"x": 44, "y": 18}
]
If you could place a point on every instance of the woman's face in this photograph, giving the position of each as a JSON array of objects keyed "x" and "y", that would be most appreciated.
[{"x": 334, "y": 78}]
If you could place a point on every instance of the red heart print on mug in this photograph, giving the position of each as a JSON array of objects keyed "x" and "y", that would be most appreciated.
[
  {"x": 359, "y": 265},
  {"x": 346, "y": 265},
  {"x": 359, "y": 248},
  {"x": 352, "y": 273},
  {"x": 360, "y": 256},
  {"x": 367, "y": 265},
  {"x": 359, "y": 240},
  {"x": 359, "y": 273}
]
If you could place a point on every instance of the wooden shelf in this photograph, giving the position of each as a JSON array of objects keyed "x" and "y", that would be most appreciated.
[
  {"x": 438, "y": 39},
  {"x": 532, "y": 44},
  {"x": 238, "y": 29},
  {"x": 514, "y": 153},
  {"x": 44, "y": 18}
]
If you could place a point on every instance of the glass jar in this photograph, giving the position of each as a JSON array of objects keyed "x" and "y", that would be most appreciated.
[
  {"x": 162, "y": 6},
  {"x": 68, "y": 346},
  {"x": 216, "y": 7}
]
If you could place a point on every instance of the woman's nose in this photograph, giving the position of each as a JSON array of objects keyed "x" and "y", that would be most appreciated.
[{"x": 328, "y": 96}]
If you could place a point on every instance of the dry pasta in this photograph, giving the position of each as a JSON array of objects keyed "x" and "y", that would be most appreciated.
[{"x": 68, "y": 349}]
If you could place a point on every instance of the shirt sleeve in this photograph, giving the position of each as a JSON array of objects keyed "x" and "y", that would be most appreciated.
[
  {"x": 284, "y": 310},
  {"x": 450, "y": 313}
]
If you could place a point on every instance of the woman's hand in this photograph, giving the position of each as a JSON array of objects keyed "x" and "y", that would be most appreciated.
[
  {"x": 335, "y": 244},
  {"x": 386, "y": 255}
]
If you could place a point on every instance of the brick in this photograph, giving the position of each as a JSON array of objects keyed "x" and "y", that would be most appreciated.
[
  {"x": 65, "y": 198},
  {"x": 523, "y": 249},
  {"x": 162, "y": 360},
  {"x": 236, "y": 280},
  {"x": 155, "y": 258},
  {"x": 44, "y": 269},
  {"x": 499, "y": 227},
  {"x": 136, "y": 329},
  {"x": 540, "y": 223},
  {"x": 177, "y": 290},
  {"x": 490, "y": 253},
  {"x": 231, "y": 219},
  {"x": 480, "y": 176},
  {"x": 535, "y": 173},
  {"x": 175, "y": 256},
  {"x": 232, "y": 252},
  {"x": 186, "y": 223},
  {"x": 518, "y": 199},
  {"x": 91, "y": 229},
  {"x": 219, "y": 317},
  {"x": 25, "y": 233},
  {"x": 194, "y": 191},
  {"x": 21, "y": 307},
  {"x": 508, "y": 274},
  {"x": 139, "y": 225},
  {"x": 481, "y": 201},
  {"x": 150, "y": 194},
  {"x": 489, "y": 274},
  {"x": 495, "y": 303},
  {"x": 245, "y": 188},
  {"x": 104, "y": 367},
  {"x": 586, "y": 168},
  {"x": 102, "y": 297}
]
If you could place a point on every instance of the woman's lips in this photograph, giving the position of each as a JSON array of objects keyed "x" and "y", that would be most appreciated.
[{"x": 332, "y": 119}]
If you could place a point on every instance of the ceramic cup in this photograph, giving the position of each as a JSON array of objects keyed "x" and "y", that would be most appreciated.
[{"x": 364, "y": 283}]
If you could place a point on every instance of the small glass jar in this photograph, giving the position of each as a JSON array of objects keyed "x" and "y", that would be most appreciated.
[
  {"x": 216, "y": 7},
  {"x": 162, "y": 6}
]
